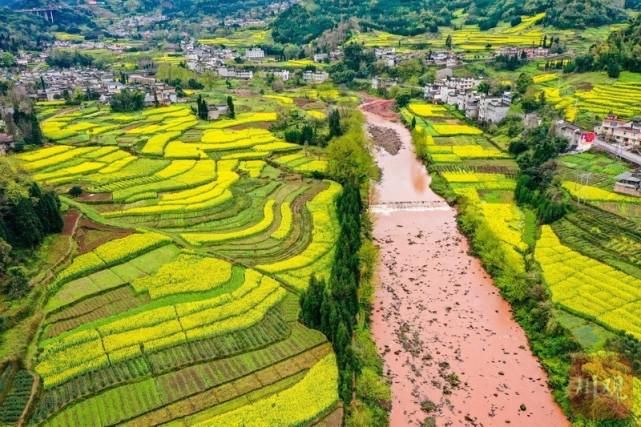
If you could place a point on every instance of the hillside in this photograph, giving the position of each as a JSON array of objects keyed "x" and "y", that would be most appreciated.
[
  {"x": 21, "y": 31},
  {"x": 303, "y": 22},
  {"x": 188, "y": 8},
  {"x": 71, "y": 15}
]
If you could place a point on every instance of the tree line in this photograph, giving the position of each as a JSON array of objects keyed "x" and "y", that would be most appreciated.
[
  {"x": 27, "y": 215},
  {"x": 621, "y": 51},
  {"x": 340, "y": 305}
]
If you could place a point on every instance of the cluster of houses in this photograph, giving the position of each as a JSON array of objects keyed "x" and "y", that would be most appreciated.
[
  {"x": 461, "y": 93},
  {"x": 623, "y": 132},
  {"x": 52, "y": 85},
  {"x": 127, "y": 26},
  {"x": 612, "y": 129},
  {"x": 334, "y": 55},
  {"x": 202, "y": 58},
  {"x": 89, "y": 45},
  {"x": 448, "y": 59},
  {"x": 7, "y": 142},
  {"x": 243, "y": 22},
  {"x": 387, "y": 55},
  {"x": 521, "y": 52}
]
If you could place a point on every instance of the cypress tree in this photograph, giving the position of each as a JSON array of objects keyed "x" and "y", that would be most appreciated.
[
  {"x": 27, "y": 228},
  {"x": 232, "y": 109},
  {"x": 49, "y": 213},
  {"x": 335, "y": 124}
]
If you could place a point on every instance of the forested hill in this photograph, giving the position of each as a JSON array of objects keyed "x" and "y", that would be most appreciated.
[
  {"x": 304, "y": 22},
  {"x": 307, "y": 20},
  {"x": 69, "y": 16},
  {"x": 559, "y": 13},
  {"x": 21, "y": 31},
  {"x": 188, "y": 8}
]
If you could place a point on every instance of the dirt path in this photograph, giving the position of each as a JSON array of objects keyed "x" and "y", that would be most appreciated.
[{"x": 451, "y": 348}]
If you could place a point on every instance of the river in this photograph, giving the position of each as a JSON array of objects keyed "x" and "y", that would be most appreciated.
[{"x": 451, "y": 348}]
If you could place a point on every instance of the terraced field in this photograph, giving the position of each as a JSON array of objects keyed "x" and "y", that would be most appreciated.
[
  {"x": 468, "y": 38},
  {"x": 594, "y": 94},
  {"x": 189, "y": 315},
  {"x": 476, "y": 169}
]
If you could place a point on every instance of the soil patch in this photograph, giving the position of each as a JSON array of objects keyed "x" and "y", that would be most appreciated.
[
  {"x": 383, "y": 108},
  {"x": 94, "y": 197},
  {"x": 90, "y": 234}
]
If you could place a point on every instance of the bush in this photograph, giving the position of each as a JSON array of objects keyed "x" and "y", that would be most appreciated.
[{"x": 75, "y": 191}]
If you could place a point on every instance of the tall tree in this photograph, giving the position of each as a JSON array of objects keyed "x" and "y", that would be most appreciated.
[
  {"x": 335, "y": 124},
  {"x": 232, "y": 109}
]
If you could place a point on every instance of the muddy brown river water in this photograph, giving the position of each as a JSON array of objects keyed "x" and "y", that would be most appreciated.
[{"x": 451, "y": 348}]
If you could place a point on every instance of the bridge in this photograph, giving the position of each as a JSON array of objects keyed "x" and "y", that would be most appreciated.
[
  {"x": 409, "y": 206},
  {"x": 46, "y": 12}
]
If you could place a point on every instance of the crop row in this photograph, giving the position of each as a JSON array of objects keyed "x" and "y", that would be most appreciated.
[
  {"x": 111, "y": 253},
  {"x": 269, "y": 331},
  {"x": 76, "y": 352},
  {"x": 588, "y": 286}
]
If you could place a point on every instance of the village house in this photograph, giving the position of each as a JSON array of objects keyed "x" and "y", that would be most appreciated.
[
  {"x": 321, "y": 57},
  {"x": 281, "y": 74},
  {"x": 315, "y": 77},
  {"x": 233, "y": 73},
  {"x": 160, "y": 94},
  {"x": 629, "y": 183},
  {"x": 444, "y": 73},
  {"x": 446, "y": 58},
  {"x": 254, "y": 54},
  {"x": 573, "y": 134},
  {"x": 493, "y": 109},
  {"x": 381, "y": 83},
  {"x": 6, "y": 143},
  {"x": 387, "y": 56},
  {"x": 215, "y": 111},
  {"x": 624, "y": 132},
  {"x": 336, "y": 54}
]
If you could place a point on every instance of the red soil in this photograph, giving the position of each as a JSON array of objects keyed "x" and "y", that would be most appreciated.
[{"x": 71, "y": 219}]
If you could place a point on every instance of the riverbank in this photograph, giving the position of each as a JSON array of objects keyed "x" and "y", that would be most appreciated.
[{"x": 452, "y": 350}]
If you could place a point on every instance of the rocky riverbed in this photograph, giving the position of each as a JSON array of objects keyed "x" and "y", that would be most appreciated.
[{"x": 452, "y": 351}]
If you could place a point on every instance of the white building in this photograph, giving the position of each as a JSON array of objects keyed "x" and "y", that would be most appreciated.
[
  {"x": 315, "y": 77},
  {"x": 321, "y": 57},
  {"x": 620, "y": 131},
  {"x": 380, "y": 83},
  {"x": 232, "y": 73},
  {"x": 492, "y": 110},
  {"x": 215, "y": 111},
  {"x": 282, "y": 74},
  {"x": 254, "y": 54}
]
